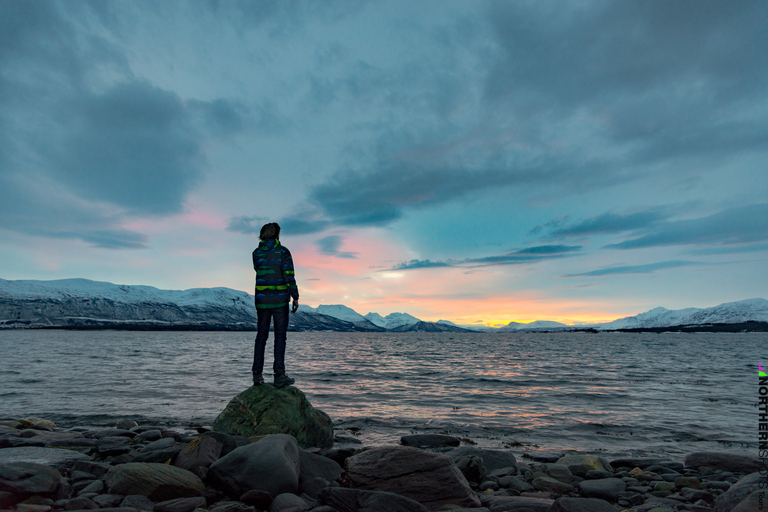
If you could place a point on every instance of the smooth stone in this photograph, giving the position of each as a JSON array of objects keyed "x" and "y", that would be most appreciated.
[
  {"x": 80, "y": 503},
  {"x": 96, "y": 486},
  {"x": 492, "y": 459},
  {"x": 77, "y": 476},
  {"x": 605, "y": 489},
  {"x": 108, "y": 500},
  {"x": 82, "y": 445},
  {"x": 138, "y": 502},
  {"x": 257, "y": 498},
  {"x": 264, "y": 410},
  {"x": 180, "y": 504},
  {"x": 755, "y": 502},
  {"x": 341, "y": 453},
  {"x": 148, "y": 436},
  {"x": 162, "y": 451},
  {"x": 231, "y": 506},
  {"x": 111, "y": 448},
  {"x": 54, "y": 457},
  {"x": 36, "y": 423},
  {"x": 31, "y": 507},
  {"x": 471, "y": 467},
  {"x": 202, "y": 452},
  {"x": 98, "y": 469},
  {"x": 271, "y": 464},
  {"x": 738, "y": 492},
  {"x": 549, "y": 484},
  {"x": 687, "y": 481},
  {"x": 512, "y": 503},
  {"x": 342, "y": 439},
  {"x": 158, "y": 482},
  {"x": 126, "y": 424},
  {"x": 430, "y": 441},
  {"x": 227, "y": 441},
  {"x": 113, "y": 432},
  {"x": 559, "y": 472},
  {"x": 597, "y": 475},
  {"x": 733, "y": 462},
  {"x": 312, "y": 487},
  {"x": 288, "y": 502},
  {"x": 430, "y": 478},
  {"x": 696, "y": 495},
  {"x": 18, "y": 442},
  {"x": 358, "y": 500},
  {"x": 515, "y": 483},
  {"x": 566, "y": 504},
  {"x": 312, "y": 466},
  {"x": 644, "y": 462},
  {"x": 26, "y": 478},
  {"x": 580, "y": 464}
]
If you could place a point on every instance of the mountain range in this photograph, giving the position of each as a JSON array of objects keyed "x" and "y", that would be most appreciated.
[{"x": 81, "y": 303}]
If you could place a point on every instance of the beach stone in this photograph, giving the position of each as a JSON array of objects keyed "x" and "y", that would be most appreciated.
[
  {"x": 605, "y": 489},
  {"x": 32, "y": 507},
  {"x": 97, "y": 469},
  {"x": 148, "y": 436},
  {"x": 358, "y": 500},
  {"x": 342, "y": 453},
  {"x": 597, "y": 475},
  {"x": 559, "y": 472},
  {"x": 138, "y": 502},
  {"x": 751, "y": 503},
  {"x": 430, "y": 441},
  {"x": 644, "y": 462},
  {"x": 113, "y": 432},
  {"x": 516, "y": 483},
  {"x": 228, "y": 442},
  {"x": 549, "y": 484},
  {"x": 257, "y": 498},
  {"x": 36, "y": 423},
  {"x": 264, "y": 410},
  {"x": 492, "y": 459},
  {"x": 180, "y": 504},
  {"x": 162, "y": 451},
  {"x": 430, "y": 478},
  {"x": 696, "y": 495},
  {"x": 158, "y": 482},
  {"x": 202, "y": 452},
  {"x": 733, "y": 462},
  {"x": 54, "y": 457},
  {"x": 738, "y": 492},
  {"x": 82, "y": 445},
  {"x": 288, "y": 502},
  {"x": 313, "y": 487},
  {"x": 23, "y": 479},
  {"x": 107, "y": 447},
  {"x": 231, "y": 506},
  {"x": 108, "y": 500},
  {"x": 343, "y": 439},
  {"x": 126, "y": 424},
  {"x": 271, "y": 464},
  {"x": 579, "y": 464},
  {"x": 566, "y": 504},
  {"x": 687, "y": 481},
  {"x": 80, "y": 503},
  {"x": 522, "y": 503},
  {"x": 663, "y": 487},
  {"x": 313, "y": 466},
  {"x": 471, "y": 467}
]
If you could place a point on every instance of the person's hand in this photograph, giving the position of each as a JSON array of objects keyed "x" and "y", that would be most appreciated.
[{"x": 295, "y": 305}]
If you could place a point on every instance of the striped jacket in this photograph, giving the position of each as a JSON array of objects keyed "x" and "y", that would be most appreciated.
[{"x": 275, "y": 280}]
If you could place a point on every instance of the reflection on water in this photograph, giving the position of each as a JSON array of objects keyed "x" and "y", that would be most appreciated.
[{"x": 644, "y": 393}]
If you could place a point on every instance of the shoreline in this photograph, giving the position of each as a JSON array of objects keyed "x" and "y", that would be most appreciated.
[{"x": 88, "y": 456}]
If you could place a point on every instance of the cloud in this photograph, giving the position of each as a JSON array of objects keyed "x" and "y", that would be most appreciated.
[
  {"x": 634, "y": 269},
  {"x": 516, "y": 257},
  {"x": 330, "y": 246},
  {"x": 741, "y": 225},
  {"x": 246, "y": 225},
  {"x": 611, "y": 223}
]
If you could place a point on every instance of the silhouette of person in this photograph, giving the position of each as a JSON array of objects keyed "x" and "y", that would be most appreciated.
[{"x": 275, "y": 286}]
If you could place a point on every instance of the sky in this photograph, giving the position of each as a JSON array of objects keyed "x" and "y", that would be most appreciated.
[{"x": 478, "y": 162}]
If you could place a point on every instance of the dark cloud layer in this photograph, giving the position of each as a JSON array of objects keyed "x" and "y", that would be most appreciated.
[
  {"x": 607, "y": 223},
  {"x": 635, "y": 269},
  {"x": 516, "y": 257},
  {"x": 330, "y": 246}
]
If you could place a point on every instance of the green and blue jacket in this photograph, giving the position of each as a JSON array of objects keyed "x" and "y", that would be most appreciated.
[{"x": 275, "y": 279}]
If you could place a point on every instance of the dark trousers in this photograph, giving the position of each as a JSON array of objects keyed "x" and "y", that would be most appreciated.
[{"x": 265, "y": 317}]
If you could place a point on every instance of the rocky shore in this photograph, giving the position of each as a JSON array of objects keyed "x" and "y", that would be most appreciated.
[{"x": 127, "y": 467}]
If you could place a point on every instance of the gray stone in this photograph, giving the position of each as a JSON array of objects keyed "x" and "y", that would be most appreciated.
[
  {"x": 516, "y": 483},
  {"x": 580, "y": 464},
  {"x": 471, "y": 467},
  {"x": 313, "y": 487},
  {"x": 752, "y": 503},
  {"x": 180, "y": 505},
  {"x": 231, "y": 506},
  {"x": 342, "y": 439},
  {"x": 597, "y": 475},
  {"x": 738, "y": 492},
  {"x": 431, "y": 479},
  {"x": 26, "y": 478},
  {"x": 341, "y": 453},
  {"x": 107, "y": 447},
  {"x": 696, "y": 495},
  {"x": 264, "y": 410},
  {"x": 138, "y": 502},
  {"x": 271, "y": 464},
  {"x": 357, "y": 500},
  {"x": 81, "y": 444},
  {"x": 644, "y": 462},
  {"x": 687, "y": 481},
  {"x": 566, "y": 504},
  {"x": 492, "y": 459},
  {"x": 430, "y": 441},
  {"x": 288, "y": 502},
  {"x": 605, "y": 489},
  {"x": 312, "y": 466},
  {"x": 733, "y": 462},
  {"x": 162, "y": 450},
  {"x": 113, "y": 432},
  {"x": 108, "y": 500},
  {"x": 559, "y": 472},
  {"x": 158, "y": 482},
  {"x": 126, "y": 424},
  {"x": 148, "y": 436},
  {"x": 54, "y": 457},
  {"x": 98, "y": 469},
  {"x": 257, "y": 498},
  {"x": 549, "y": 484},
  {"x": 81, "y": 503},
  {"x": 514, "y": 503},
  {"x": 202, "y": 452},
  {"x": 96, "y": 486}
]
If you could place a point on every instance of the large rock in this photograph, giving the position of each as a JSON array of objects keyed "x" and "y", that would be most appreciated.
[
  {"x": 752, "y": 503},
  {"x": 581, "y": 505},
  {"x": 430, "y": 441},
  {"x": 492, "y": 459},
  {"x": 733, "y": 462},
  {"x": 579, "y": 463},
  {"x": 54, "y": 457},
  {"x": 313, "y": 466},
  {"x": 264, "y": 410},
  {"x": 356, "y": 500},
  {"x": 158, "y": 482},
  {"x": 603, "y": 488},
  {"x": 162, "y": 451},
  {"x": 431, "y": 479},
  {"x": 24, "y": 479},
  {"x": 202, "y": 452},
  {"x": 738, "y": 492},
  {"x": 270, "y": 464},
  {"x": 514, "y": 503}
]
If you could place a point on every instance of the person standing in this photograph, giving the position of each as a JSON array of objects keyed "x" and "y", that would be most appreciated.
[{"x": 275, "y": 286}]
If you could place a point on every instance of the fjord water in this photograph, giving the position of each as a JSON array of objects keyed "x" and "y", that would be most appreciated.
[{"x": 640, "y": 394}]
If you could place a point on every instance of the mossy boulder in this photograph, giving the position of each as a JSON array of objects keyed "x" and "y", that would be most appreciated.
[{"x": 264, "y": 410}]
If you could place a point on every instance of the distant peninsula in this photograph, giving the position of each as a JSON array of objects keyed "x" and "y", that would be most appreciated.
[{"x": 86, "y": 304}]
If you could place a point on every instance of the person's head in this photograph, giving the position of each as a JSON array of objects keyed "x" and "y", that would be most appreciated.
[{"x": 269, "y": 231}]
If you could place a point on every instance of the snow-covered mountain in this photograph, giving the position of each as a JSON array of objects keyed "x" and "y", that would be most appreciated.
[
  {"x": 754, "y": 310},
  {"x": 531, "y": 326},
  {"x": 392, "y": 320}
]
